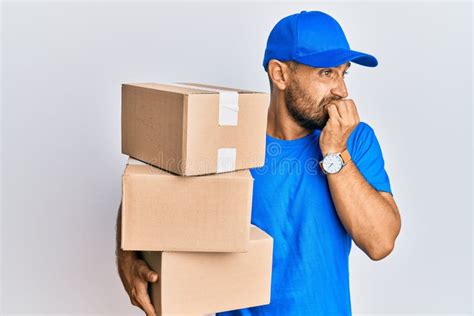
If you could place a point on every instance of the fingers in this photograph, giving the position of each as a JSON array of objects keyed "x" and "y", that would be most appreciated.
[
  {"x": 352, "y": 115},
  {"x": 146, "y": 273},
  {"x": 355, "y": 112},
  {"x": 144, "y": 300},
  {"x": 343, "y": 118},
  {"x": 344, "y": 111},
  {"x": 135, "y": 275},
  {"x": 142, "y": 274},
  {"x": 334, "y": 116},
  {"x": 139, "y": 297}
]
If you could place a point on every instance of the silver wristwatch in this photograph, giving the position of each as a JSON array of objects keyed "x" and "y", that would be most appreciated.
[{"x": 333, "y": 162}]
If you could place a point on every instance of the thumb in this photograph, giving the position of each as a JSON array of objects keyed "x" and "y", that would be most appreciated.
[
  {"x": 152, "y": 276},
  {"x": 147, "y": 274}
]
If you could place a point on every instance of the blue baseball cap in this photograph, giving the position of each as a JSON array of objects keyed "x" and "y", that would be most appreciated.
[{"x": 312, "y": 38}]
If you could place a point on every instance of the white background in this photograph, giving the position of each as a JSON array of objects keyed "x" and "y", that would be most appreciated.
[{"x": 63, "y": 64}]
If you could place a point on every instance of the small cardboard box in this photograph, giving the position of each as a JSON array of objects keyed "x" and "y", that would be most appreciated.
[
  {"x": 193, "y": 283},
  {"x": 194, "y": 129},
  {"x": 163, "y": 211}
]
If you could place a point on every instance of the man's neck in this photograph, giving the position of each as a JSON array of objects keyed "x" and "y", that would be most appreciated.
[{"x": 280, "y": 124}]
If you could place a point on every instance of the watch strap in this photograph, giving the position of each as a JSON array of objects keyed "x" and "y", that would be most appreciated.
[{"x": 346, "y": 157}]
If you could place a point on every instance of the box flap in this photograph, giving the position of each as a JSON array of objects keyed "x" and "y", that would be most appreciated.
[
  {"x": 193, "y": 89},
  {"x": 137, "y": 167},
  {"x": 256, "y": 233},
  {"x": 171, "y": 88},
  {"x": 219, "y": 87}
]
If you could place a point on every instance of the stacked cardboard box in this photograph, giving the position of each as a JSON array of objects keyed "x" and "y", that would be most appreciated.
[{"x": 187, "y": 194}]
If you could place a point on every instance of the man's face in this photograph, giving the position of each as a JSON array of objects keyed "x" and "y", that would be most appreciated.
[{"x": 311, "y": 90}]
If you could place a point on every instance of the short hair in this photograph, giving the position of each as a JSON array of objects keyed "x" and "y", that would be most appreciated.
[{"x": 291, "y": 64}]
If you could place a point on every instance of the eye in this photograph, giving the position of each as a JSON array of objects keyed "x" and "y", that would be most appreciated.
[{"x": 326, "y": 72}]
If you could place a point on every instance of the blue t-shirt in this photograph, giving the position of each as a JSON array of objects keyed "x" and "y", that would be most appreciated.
[{"x": 293, "y": 204}]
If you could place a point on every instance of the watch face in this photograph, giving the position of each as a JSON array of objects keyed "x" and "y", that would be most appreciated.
[{"x": 332, "y": 163}]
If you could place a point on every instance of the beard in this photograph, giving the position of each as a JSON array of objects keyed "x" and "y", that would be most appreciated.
[{"x": 306, "y": 112}]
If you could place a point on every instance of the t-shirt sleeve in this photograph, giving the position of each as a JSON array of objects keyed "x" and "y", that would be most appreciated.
[{"x": 366, "y": 154}]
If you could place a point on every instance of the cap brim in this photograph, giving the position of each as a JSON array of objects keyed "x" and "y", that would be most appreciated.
[{"x": 336, "y": 57}]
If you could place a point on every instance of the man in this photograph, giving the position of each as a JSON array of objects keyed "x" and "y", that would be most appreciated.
[{"x": 323, "y": 183}]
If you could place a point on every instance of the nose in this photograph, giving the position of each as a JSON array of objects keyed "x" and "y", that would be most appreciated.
[{"x": 340, "y": 89}]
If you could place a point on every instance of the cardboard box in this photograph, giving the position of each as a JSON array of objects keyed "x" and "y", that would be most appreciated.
[
  {"x": 163, "y": 211},
  {"x": 195, "y": 130},
  {"x": 193, "y": 283}
]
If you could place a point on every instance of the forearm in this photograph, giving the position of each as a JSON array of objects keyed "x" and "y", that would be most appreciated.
[{"x": 365, "y": 214}]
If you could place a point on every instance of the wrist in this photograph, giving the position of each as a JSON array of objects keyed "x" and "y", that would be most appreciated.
[{"x": 326, "y": 151}]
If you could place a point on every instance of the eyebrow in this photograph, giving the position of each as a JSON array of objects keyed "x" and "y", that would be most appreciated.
[{"x": 348, "y": 65}]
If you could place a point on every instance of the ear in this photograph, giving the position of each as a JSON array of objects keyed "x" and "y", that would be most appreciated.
[{"x": 280, "y": 73}]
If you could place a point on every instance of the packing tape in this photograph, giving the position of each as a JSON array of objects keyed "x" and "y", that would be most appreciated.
[
  {"x": 226, "y": 158},
  {"x": 228, "y": 103}
]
